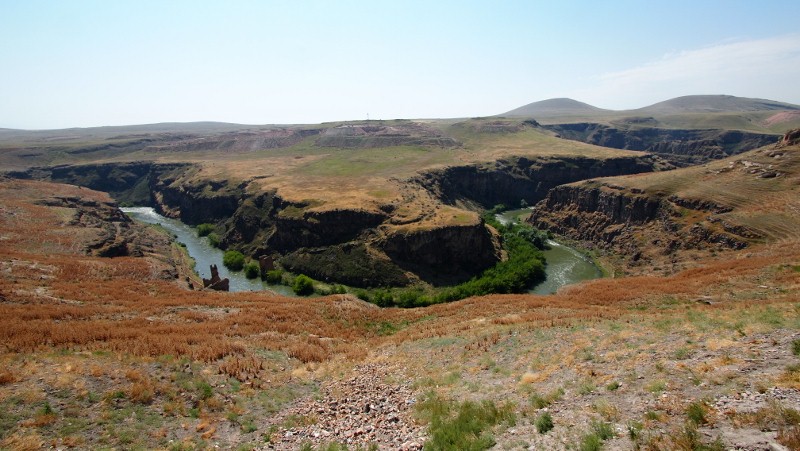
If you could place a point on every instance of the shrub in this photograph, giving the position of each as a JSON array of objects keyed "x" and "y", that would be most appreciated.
[
  {"x": 252, "y": 270},
  {"x": 540, "y": 402},
  {"x": 593, "y": 441},
  {"x": 603, "y": 430},
  {"x": 796, "y": 347},
  {"x": 233, "y": 260},
  {"x": 204, "y": 390},
  {"x": 544, "y": 423},
  {"x": 462, "y": 426},
  {"x": 696, "y": 412},
  {"x": 205, "y": 229},
  {"x": 213, "y": 239},
  {"x": 303, "y": 285},
  {"x": 274, "y": 276}
]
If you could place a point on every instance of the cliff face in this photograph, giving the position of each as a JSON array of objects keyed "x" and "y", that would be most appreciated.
[
  {"x": 681, "y": 147},
  {"x": 128, "y": 183},
  {"x": 380, "y": 134},
  {"x": 645, "y": 230},
  {"x": 444, "y": 254},
  {"x": 295, "y": 228},
  {"x": 594, "y": 212},
  {"x": 513, "y": 180},
  {"x": 195, "y": 200}
]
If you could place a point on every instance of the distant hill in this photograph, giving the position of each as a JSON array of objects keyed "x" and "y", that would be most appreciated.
[
  {"x": 722, "y": 112},
  {"x": 714, "y": 104},
  {"x": 555, "y": 107}
]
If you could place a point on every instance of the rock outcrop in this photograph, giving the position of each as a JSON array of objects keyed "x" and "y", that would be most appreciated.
[
  {"x": 215, "y": 282},
  {"x": 384, "y": 134},
  {"x": 790, "y": 138}
]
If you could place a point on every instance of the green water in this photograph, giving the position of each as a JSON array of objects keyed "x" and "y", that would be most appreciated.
[
  {"x": 203, "y": 253},
  {"x": 565, "y": 265}
]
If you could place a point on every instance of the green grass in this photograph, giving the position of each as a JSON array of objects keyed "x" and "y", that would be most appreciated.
[
  {"x": 538, "y": 401},
  {"x": 656, "y": 387},
  {"x": 593, "y": 441},
  {"x": 462, "y": 426},
  {"x": 696, "y": 412}
]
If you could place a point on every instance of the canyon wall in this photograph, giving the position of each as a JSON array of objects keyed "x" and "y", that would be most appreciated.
[
  {"x": 359, "y": 246},
  {"x": 681, "y": 147}
]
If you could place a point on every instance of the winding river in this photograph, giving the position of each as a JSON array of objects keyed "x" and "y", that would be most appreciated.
[
  {"x": 565, "y": 265},
  {"x": 203, "y": 253}
]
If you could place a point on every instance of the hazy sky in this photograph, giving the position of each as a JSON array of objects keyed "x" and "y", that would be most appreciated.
[{"x": 88, "y": 63}]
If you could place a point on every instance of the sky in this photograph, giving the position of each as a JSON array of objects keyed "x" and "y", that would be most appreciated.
[{"x": 113, "y": 62}]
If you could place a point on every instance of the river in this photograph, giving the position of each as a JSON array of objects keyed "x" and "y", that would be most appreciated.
[
  {"x": 565, "y": 265},
  {"x": 203, "y": 253}
]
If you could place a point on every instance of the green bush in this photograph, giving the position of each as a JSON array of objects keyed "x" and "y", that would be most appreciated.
[
  {"x": 796, "y": 347},
  {"x": 213, "y": 239},
  {"x": 524, "y": 266},
  {"x": 274, "y": 276},
  {"x": 205, "y": 229},
  {"x": 252, "y": 270},
  {"x": 233, "y": 260},
  {"x": 303, "y": 285},
  {"x": 544, "y": 423}
]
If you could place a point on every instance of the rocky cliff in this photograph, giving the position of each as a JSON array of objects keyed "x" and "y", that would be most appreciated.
[
  {"x": 681, "y": 147},
  {"x": 645, "y": 230},
  {"x": 444, "y": 254},
  {"x": 511, "y": 181}
]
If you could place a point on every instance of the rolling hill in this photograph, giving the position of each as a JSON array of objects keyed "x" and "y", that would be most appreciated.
[
  {"x": 555, "y": 108},
  {"x": 723, "y": 112},
  {"x": 714, "y": 104}
]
